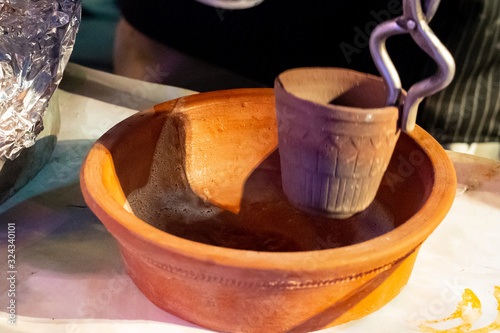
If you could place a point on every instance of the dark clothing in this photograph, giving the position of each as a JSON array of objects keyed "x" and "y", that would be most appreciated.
[{"x": 262, "y": 41}]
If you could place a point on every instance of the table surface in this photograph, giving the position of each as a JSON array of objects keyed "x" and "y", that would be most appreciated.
[{"x": 70, "y": 277}]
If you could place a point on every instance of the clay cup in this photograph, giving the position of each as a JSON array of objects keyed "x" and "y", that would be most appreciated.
[{"x": 336, "y": 138}]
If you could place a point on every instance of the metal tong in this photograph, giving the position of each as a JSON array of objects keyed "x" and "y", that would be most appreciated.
[{"x": 415, "y": 19}]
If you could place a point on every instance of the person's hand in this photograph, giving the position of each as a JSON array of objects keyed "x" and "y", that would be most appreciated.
[{"x": 231, "y": 4}]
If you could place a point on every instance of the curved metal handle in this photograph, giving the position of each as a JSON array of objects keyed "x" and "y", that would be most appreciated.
[
  {"x": 383, "y": 61},
  {"x": 415, "y": 22},
  {"x": 429, "y": 7}
]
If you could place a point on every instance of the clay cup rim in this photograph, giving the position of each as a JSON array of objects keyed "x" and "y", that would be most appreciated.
[{"x": 335, "y": 93}]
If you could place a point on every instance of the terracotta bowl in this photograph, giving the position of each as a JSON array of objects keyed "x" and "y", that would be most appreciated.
[{"x": 213, "y": 239}]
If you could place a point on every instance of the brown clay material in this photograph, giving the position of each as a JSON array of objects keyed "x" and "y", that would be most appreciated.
[
  {"x": 336, "y": 138},
  {"x": 252, "y": 263}
]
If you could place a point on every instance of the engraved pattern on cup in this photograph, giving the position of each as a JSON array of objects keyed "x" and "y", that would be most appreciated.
[
  {"x": 331, "y": 166},
  {"x": 336, "y": 177}
]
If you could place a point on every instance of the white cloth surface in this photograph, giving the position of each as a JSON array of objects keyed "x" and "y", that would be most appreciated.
[{"x": 484, "y": 149}]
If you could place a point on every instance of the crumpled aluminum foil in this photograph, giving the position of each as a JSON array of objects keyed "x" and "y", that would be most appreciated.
[{"x": 36, "y": 40}]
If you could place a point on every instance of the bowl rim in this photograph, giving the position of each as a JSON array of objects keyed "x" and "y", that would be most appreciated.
[{"x": 390, "y": 247}]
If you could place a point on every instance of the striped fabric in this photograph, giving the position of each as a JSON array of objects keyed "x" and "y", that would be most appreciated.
[{"x": 469, "y": 109}]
